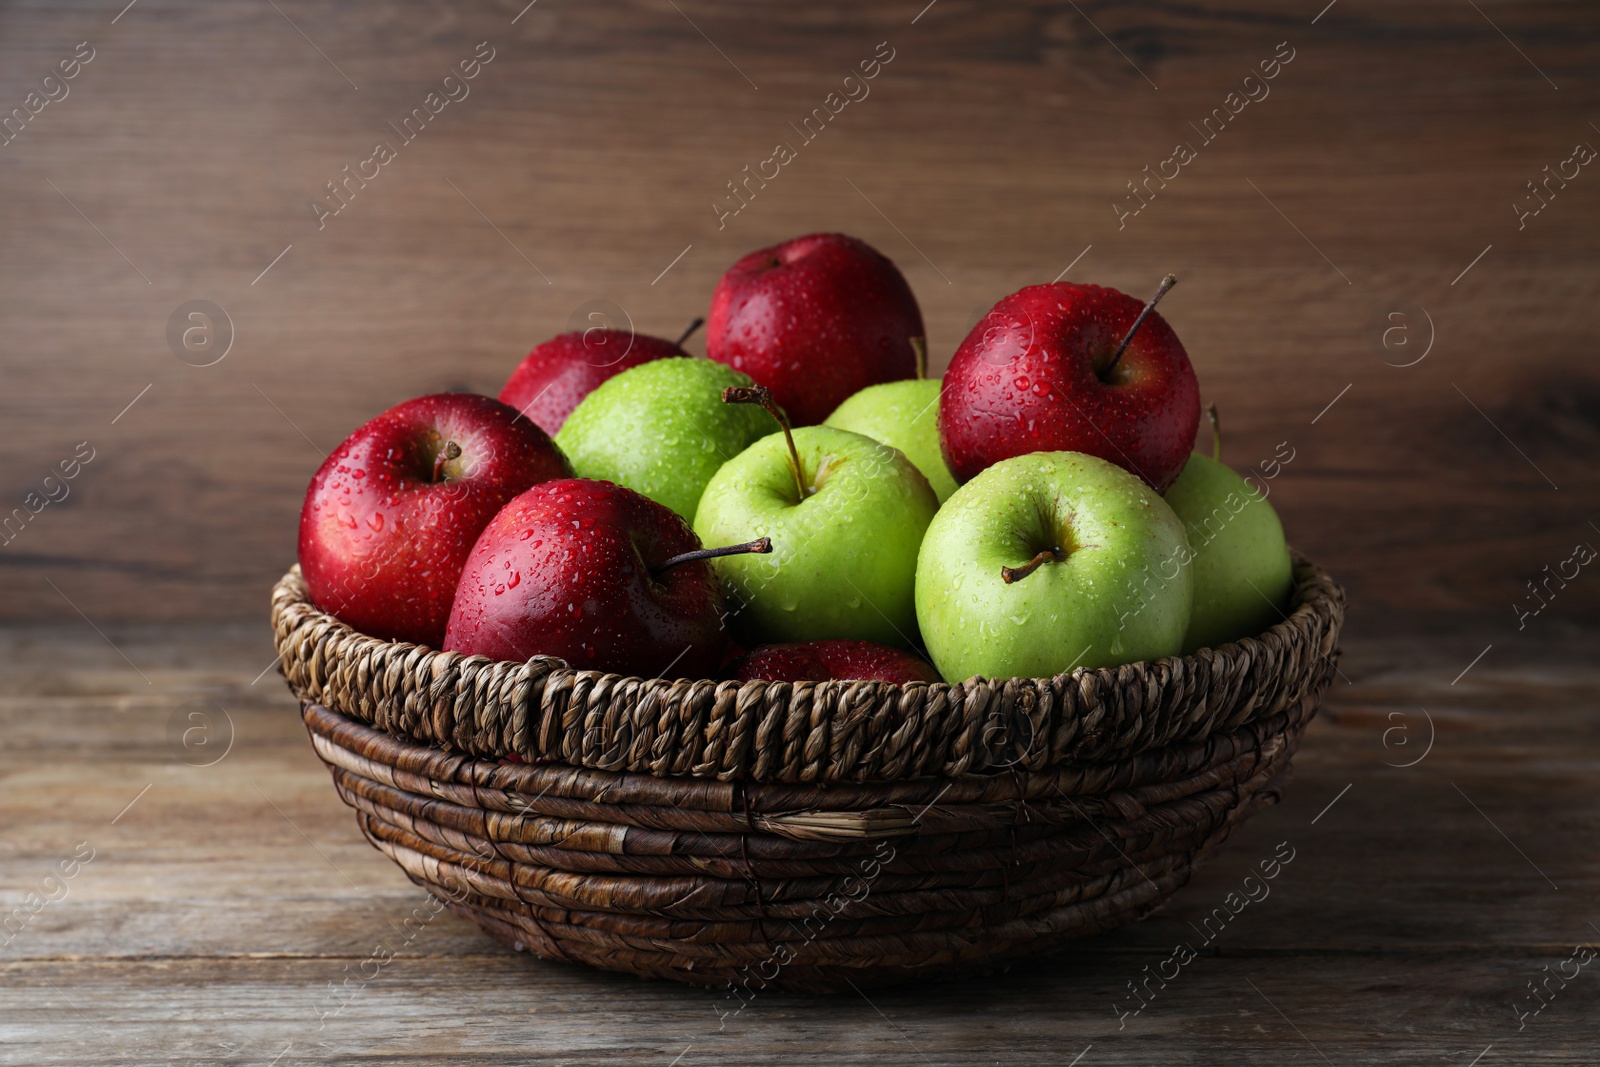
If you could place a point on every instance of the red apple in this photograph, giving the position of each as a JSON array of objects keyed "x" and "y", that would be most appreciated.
[
  {"x": 555, "y": 376},
  {"x": 820, "y": 661},
  {"x": 596, "y": 574},
  {"x": 816, "y": 320},
  {"x": 1037, "y": 374},
  {"x": 391, "y": 515}
]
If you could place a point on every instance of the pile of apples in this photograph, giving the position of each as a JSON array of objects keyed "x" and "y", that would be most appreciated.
[{"x": 1037, "y": 510}]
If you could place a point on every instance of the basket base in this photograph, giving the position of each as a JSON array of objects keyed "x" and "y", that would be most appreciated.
[
  {"x": 797, "y": 975},
  {"x": 1019, "y": 865}
]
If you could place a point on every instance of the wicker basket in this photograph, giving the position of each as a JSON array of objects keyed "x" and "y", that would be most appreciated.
[{"x": 808, "y": 835}]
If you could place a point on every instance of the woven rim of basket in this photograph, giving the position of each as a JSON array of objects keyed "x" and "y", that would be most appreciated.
[{"x": 543, "y": 710}]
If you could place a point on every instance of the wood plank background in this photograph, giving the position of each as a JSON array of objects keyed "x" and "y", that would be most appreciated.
[{"x": 988, "y": 155}]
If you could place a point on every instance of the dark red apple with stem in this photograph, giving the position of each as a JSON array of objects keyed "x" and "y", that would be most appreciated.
[
  {"x": 816, "y": 320},
  {"x": 553, "y": 378},
  {"x": 595, "y": 574},
  {"x": 1071, "y": 368},
  {"x": 821, "y": 661},
  {"x": 391, "y": 515}
]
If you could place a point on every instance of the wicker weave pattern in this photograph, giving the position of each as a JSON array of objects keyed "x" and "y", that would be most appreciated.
[
  {"x": 804, "y": 732},
  {"x": 702, "y": 882},
  {"x": 814, "y": 836}
]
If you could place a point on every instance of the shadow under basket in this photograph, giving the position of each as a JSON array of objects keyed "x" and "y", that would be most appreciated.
[{"x": 810, "y": 835}]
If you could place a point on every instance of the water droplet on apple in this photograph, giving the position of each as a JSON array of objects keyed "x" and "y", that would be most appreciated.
[{"x": 1022, "y": 381}]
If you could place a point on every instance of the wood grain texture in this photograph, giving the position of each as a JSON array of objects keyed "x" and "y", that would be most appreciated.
[
  {"x": 987, "y": 156},
  {"x": 220, "y": 906}
]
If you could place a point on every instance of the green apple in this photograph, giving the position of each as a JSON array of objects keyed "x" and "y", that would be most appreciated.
[
  {"x": 1049, "y": 561},
  {"x": 845, "y": 514},
  {"x": 904, "y": 415},
  {"x": 661, "y": 429},
  {"x": 1242, "y": 571}
]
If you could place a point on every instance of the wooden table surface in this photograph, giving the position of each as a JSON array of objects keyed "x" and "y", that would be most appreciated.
[
  {"x": 226, "y": 905},
  {"x": 1359, "y": 283}
]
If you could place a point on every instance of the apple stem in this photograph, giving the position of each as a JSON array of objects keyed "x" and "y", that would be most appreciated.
[
  {"x": 1016, "y": 574},
  {"x": 1166, "y": 283},
  {"x": 688, "y": 333},
  {"x": 449, "y": 452},
  {"x": 919, "y": 348},
  {"x": 760, "y": 394},
  {"x": 1216, "y": 432},
  {"x": 758, "y": 546}
]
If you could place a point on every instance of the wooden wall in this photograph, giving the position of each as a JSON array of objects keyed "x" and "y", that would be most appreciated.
[{"x": 988, "y": 155}]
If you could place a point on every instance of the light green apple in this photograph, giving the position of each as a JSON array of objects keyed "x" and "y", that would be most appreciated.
[
  {"x": 1093, "y": 556},
  {"x": 844, "y": 553},
  {"x": 661, "y": 429},
  {"x": 1242, "y": 571},
  {"x": 905, "y": 415}
]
